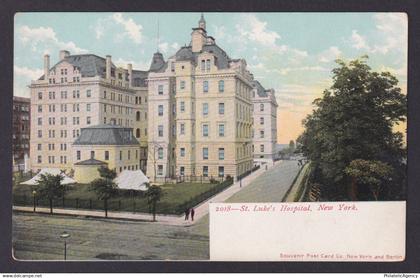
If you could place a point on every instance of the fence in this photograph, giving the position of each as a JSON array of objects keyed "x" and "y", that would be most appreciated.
[
  {"x": 133, "y": 204},
  {"x": 247, "y": 173}
]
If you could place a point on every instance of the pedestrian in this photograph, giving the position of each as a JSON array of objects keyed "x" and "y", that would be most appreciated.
[
  {"x": 240, "y": 182},
  {"x": 192, "y": 214},
  {"x": 187, "y": 213}
]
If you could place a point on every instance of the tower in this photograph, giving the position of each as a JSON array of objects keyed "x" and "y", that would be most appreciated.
[{"x": 202, "y": 22}]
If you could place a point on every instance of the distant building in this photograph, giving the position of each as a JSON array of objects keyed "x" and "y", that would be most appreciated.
[
  {"x": 200, "y": 116},
  {"x": 111, "y": 145},
  {"x": 21, "y": 130},
  {"x": 81, "y": 91},
  {"x": 265, "y": 124}
]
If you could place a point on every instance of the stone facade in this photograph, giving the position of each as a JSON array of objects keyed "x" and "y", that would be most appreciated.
[
  {"x": 265, "y": 124},
  {"x": 21, "y": 129},
  {"x": 200, "y": 113}
]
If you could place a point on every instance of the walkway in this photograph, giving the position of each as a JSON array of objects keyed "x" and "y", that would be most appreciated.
[{"x": 200, "y": 210}]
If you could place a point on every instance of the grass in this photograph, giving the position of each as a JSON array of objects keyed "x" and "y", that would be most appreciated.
[{"x": 175, "y": 196}]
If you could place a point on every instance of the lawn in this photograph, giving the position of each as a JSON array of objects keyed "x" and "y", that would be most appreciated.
[{"x": 176, "y": 197}]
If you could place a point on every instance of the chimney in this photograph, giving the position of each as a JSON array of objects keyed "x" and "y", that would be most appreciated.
[
  {"x": 130, "y": 74},
  {"x": 63, "y": 54},
  {"x": 46, "y": 66},
  {"x": 108, "y": 66}
]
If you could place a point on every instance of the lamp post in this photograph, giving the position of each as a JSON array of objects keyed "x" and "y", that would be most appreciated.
[
  {"x": 34, "y": 194},
  {"x": 64, "y": 236}
]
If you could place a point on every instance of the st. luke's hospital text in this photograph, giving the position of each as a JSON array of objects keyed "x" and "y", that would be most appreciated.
[{"x": 288, "y": 208}]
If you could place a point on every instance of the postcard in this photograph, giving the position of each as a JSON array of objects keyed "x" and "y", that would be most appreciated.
[{"x": 209, "y": 136}]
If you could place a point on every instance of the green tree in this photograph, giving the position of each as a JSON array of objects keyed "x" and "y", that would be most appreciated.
[
  {"x": 373, "y": 174},
  {"x": 104, "y": 187},
  {"x": 354, "y": 120},
  {"x": 50, "y": 187},
  {"x": 154, "y": 193},
  {"x": 292, "y": 145}
]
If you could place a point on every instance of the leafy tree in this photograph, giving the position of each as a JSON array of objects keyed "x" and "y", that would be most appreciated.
[
  {"x": 104, "y": 186},
  {"x": 374, "y": 174},
  {"x": 154, "y": 193},
  {"x": 50, "y": 187},
  {"x": 292, "y": 145},
  {"x": 354, "y": 120}
]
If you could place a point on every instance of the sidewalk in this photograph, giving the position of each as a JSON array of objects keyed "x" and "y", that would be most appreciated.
[{"x": 200, "y": 210}]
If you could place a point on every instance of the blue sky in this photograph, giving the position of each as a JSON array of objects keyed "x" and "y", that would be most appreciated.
[{"x": 293, "y": 53}]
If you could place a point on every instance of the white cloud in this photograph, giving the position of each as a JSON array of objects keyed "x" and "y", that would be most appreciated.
[
  {"x": 132, "y": 30},
  {"x": 358, "y": 41},
  {"x": 391, "y": 30},
  {"x": 329, "y": 55},
  {"x": 287, "y": 70},
  {"x": 45, "y": 38},
  {"x": 28, "y": 73},
  {"x": 164, "y": 46},
  {"x": 256, "y": 30}
]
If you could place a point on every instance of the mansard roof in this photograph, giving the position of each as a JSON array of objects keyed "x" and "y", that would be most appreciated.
[
  {"x": 106, "y": 134},
  {"x": 89, "y": 65},
  {"x": 185, "y": 54},
  {"x": 261, "y": 91}
]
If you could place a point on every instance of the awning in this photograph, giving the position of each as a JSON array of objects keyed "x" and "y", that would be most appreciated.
[
  {"x": 131, "y": 180},
  {"x": 52, "y": 171}
]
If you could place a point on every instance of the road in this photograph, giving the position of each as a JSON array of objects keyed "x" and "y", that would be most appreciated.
[{"x": 36, "y": 237}]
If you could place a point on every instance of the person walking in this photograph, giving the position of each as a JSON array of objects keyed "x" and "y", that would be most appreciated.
[
  {"x": 192, "y": 214},
  {"x": 187, "y": 213}
]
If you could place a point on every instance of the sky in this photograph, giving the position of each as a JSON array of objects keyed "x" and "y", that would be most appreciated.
[{"x": 293, "y": 53}]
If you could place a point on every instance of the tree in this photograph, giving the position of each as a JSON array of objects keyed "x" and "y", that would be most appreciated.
[
  {"x": 104, "y": 186},
  {"x": 292, "y": 145},
  {"x": 154, "y": 193},
  {"x": 50, "y": 187},
  {"x": 374, "y": 174},
  {"x": 353, "y": 120}
]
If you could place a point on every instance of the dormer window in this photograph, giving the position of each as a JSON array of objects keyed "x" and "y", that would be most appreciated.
[{"x": 208, "y": 65}]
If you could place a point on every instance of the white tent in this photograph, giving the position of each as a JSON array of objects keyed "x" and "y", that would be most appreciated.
[
  {"x": 51, "y": 171},
  {"x": 132, "y": 180}
]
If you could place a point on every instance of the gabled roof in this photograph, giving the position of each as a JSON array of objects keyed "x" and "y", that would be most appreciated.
[{"x": 106, "y": 134}]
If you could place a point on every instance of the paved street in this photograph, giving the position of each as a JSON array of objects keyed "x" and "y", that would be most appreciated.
[{"x": 37, "y": 236}]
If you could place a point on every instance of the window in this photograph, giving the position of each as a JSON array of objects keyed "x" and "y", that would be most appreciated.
[
  {"x": 160, "y": 110},
  {"x": 205, "y": 109},
  {"x": 120, "y": 155},
  {"x": 160, "y": 170},
  {"x": 39, "y": 121},
  {"x": 39, "y": 159},
  {"x": 160, "y": 130},
  {"x": 205, "y": 153},
  {"x": 205, "y": 86},
  {"x": 78, "y": 155},
  {"x": 92, "y": 154},
  {"x": 138, "y": 133},
  {"x": 221, "y": 108},
  {"x": 182, "y": 106},
  {"x": 182, "y": 152},
  {"x": 221, "y": 171},
  {"x": 138, "y": 116},
  {"x": 40, "y": 95},
  {"x": 39, "y": 147},
  {"x": 205, "y": 171},
  {"x": 39, "y": 108},
  {"x": 221, "y": 86},
  {"x": 262, "y": 120},
  {"x": 208, "y": 65},
  {"x": 172, "y": 66},
  {"x": 160, "y": 153},
  {"x": 221, "y": 130},
  {"x": 88, "y": 107},
  {"x": 205, "y": 130},
  {"x": 39, "y": 133},
  {"x": 88, "y": 93},
  {"x": 182, "y": 85},
  {"x": 182, "y": 128},
  {"x": 129, "y": 155},
  {"x": 261, "y": 133},
  {"x": 160, "y": 89},
  {"x": 203, "y": 65},
  {"x": 181, "y": 170},
  {"x": 261, "y": 107},
  {"x": 221, "y": 153},
  {"x": 262, "y": 148},
  {"x": 88, "y": 120}
]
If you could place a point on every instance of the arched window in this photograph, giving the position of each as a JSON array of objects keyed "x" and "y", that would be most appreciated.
[
  {"x": 138, "y": 116},
  {"x": 138, "y": 133}
]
